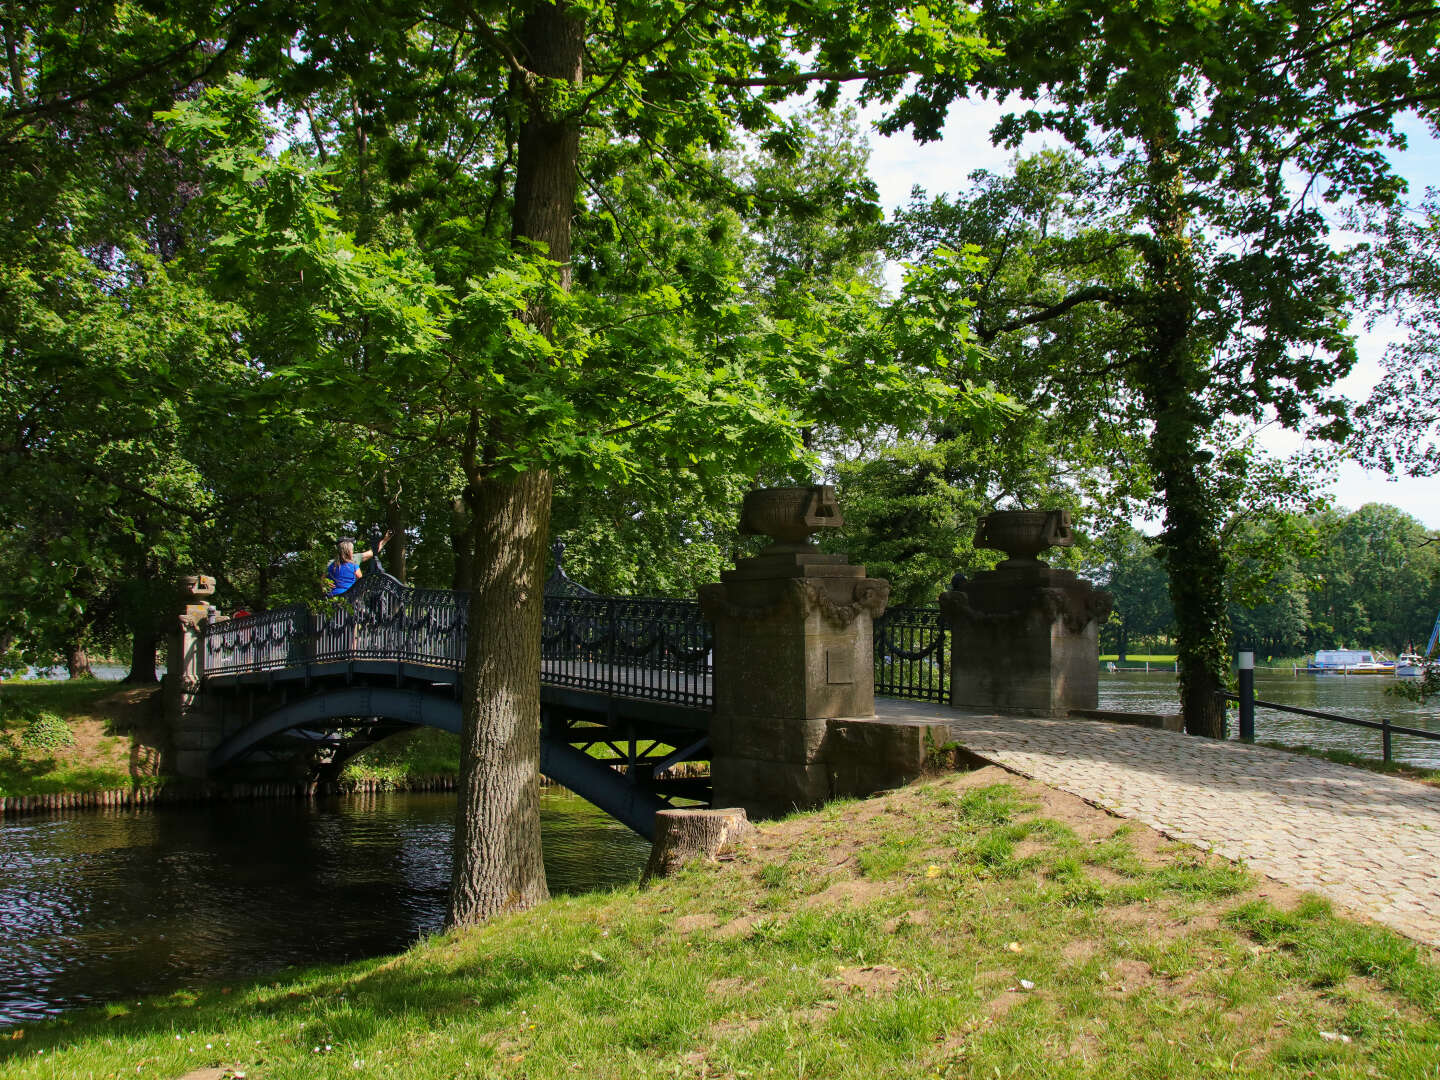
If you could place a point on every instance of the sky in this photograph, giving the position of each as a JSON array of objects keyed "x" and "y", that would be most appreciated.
[{"x": 897, "y": 163}]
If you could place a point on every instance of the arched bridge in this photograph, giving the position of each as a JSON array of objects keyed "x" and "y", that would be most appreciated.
[{"x": 626, "y": 685}]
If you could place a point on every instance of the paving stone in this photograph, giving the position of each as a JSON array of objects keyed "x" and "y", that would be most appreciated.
[{"x": 1365, "y": 840}]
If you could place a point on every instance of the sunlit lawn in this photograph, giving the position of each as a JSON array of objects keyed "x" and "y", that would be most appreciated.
[{"x": 967, "y": 927}]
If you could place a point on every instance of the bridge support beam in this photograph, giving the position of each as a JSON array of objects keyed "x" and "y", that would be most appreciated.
[
  {"x": 792, "y": 653},
  {"x": 192, "y": 717}
]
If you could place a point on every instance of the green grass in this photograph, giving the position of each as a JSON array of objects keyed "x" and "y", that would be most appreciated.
[
  {"x": 401, "y": 758},
  {"x": 1359, "y": 761},
  {"x": 1141, "y": 658},
  {"x": 949, "y": 930},
  {"x": 67, "y": 697},
  {"x": 72, "y": 736}
]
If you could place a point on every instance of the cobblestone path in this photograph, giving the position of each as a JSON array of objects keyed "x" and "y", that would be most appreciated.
[{"x": 1367, "y": 841}]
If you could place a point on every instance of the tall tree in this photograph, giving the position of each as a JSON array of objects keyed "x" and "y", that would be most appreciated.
[
  {"x": 516, "y": 372},
  {"x": 1221, "y": 130}
]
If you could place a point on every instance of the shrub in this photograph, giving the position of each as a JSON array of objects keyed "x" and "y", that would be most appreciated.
[{"x": 47, "y": 731}]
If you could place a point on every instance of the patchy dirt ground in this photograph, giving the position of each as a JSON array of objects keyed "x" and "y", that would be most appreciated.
[{"x": 117, "y": 737}]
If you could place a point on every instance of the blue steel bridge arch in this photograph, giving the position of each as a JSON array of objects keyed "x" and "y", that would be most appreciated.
[
  {"x": 591, "y": 779},
  {"x": 628, "y": 673}
]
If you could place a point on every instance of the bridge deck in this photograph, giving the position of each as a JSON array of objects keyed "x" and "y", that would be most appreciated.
[{"x": 1367, "y": 841}]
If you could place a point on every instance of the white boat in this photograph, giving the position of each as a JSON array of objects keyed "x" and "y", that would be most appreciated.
[
  {"x": 1410, "y": 665},
  {"x": 1349, "y": 662}
]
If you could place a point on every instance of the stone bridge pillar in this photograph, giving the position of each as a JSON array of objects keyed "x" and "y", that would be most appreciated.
[
  {"x": 792, "y": 654},
  {"x": 1025, "y": 634},
  {"x": 195, "y": 726}
]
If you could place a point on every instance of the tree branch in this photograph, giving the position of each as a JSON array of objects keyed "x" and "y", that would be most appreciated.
[
  {"x": 797, "y": 78},
  {"x": 1094, "y": 294}
]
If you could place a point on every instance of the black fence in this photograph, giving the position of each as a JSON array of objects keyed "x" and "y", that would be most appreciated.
[
  {"x": 631, "y": 647},
  {"x": 379, "y": 619},
  {"x": 656, "y": 649},
  {"x": 912, "y": 654},
  {"x": 1249, "y": 702}
]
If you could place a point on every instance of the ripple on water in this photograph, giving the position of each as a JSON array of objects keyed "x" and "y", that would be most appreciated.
[
  {"x": 1362, "y": 696},
  {"x": 112, "y": 904}
]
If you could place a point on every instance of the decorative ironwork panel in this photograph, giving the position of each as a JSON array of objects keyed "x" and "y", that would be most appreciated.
[
  {"x": 631, "y": 647},
  {"x": 381, "y": 619},
  {"x": 262, "y": 642},
  {"x": 912, "y": 654}
]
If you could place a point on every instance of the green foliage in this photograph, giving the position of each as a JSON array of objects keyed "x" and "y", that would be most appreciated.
[
  {"x": 1210, "y": 281},
  {"x": 1399, "y": 277},
  {"x": 405, "y": 757},
  {"x": 46, "y": 731},
  {"x": 1126, "y": 564}
]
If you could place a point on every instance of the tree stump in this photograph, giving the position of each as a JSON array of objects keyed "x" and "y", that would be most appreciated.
[{"x": 684, "y": 835}]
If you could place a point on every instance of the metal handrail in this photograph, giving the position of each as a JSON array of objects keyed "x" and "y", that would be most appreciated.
[
  {"x": 629, "y": 646},
  {"x": 643, "y": 647},
  {"x": 911, "y": 647},
  {"x": 1384, "y": 726}
]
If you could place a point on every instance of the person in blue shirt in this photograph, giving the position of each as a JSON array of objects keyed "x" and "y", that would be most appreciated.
[{"x": 344, "y": 571}]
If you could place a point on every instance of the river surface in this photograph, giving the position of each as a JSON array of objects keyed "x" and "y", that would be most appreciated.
[
  {"x": 109, "y": 905},
  {"x": 1361, "y": 696}
]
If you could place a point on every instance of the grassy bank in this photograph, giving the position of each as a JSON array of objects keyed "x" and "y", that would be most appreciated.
[
  {"x": 401, "y": 758},
  {"x": 1359, "y": 761},
  {"x": 974, "y": 926},
  {"x": 80, "y": 736}
]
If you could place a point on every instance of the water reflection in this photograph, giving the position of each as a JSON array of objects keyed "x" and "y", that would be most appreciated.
[
  {"x": 1356, "y": 695},
  {"x": 106, "y": 905}
]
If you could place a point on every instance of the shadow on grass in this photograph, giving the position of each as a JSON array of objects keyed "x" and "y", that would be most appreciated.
[{"x": 358, "y": 1003}]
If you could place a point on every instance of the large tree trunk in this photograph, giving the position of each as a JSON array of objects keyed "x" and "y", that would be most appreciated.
[
  {"x": 77, "y": 662},
  {"x": 497, "y": 833},
  {"x": 1174, "y": 377},
  {"x": 143, "y": 641}
]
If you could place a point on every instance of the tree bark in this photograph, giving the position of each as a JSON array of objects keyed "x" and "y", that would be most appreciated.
[
  {"x": 143, "y": 642},
  {"x": 1174, "y": 377},
  {"x": 682, "y": 836},
  {"x": 497, "y": 834},
  {"x": 77, "y": 662}
]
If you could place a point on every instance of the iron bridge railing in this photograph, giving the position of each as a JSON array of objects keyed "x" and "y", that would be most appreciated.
[
  {"x": 912, "y": 654},
  {"x": 645, "y": 648},
  {"x": 634, "y": 647}
]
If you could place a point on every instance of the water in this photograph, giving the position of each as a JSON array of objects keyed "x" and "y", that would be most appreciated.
[
  {"x": 101, "y": 671},
  {"x": 110, "y": 905},
  {"x": 1361, "y": 696}
]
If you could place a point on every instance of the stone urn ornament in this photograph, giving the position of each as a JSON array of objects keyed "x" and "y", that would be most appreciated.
[
  {"x": 789, "y": 515},
  {"x": 192, "y": 585},
  {"x": 1024, "y": 534}
]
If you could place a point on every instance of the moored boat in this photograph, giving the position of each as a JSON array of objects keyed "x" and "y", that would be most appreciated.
[{"x": 1349, "y": 662}]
